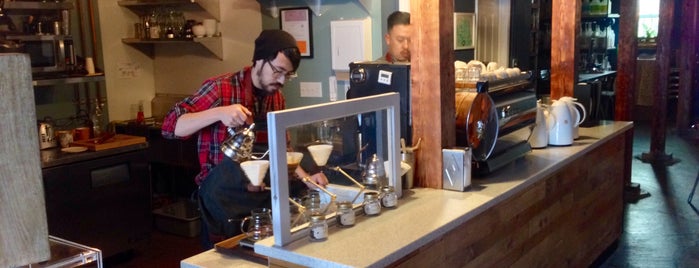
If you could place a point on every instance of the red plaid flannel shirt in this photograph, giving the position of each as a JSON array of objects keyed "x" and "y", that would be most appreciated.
[{"x": 227, "y": 89}]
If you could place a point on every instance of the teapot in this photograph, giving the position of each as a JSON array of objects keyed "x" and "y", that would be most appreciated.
[
  {"x": 561, "y": 133},
  {"x": 540, "y": 133},
  {"x": 572, "y": 102}
]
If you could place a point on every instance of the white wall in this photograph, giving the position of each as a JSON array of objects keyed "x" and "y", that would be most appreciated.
[
  {"x": 182, "y": 69},
  {"x": 123, "y": 93},
  {"x": 176, "y": 68}
]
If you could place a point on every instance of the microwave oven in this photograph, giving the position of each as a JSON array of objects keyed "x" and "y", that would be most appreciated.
[{"x": 48, "y": 53}]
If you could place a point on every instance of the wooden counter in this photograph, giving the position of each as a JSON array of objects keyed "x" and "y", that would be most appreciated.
[{"x": 559, "y": 206}]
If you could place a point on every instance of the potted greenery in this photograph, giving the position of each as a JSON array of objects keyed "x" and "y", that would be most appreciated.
[{"x": 650, "y": 34}]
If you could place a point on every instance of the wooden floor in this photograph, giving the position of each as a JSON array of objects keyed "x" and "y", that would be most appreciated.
[{"x": 659, "y": 231}]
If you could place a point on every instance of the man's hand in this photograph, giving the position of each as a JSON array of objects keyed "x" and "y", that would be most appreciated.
[
  {"x": 255, "y": 189},
  {"x": 234, "y": 115},
  {"x": 319, "y": 178}
]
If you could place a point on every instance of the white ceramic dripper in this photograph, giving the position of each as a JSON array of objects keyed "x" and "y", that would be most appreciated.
[
  {"x": 255, "y": 170},
  {"x": 320, "y": 153}
]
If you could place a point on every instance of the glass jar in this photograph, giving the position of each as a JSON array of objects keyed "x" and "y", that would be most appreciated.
[
  {"x": 312, "y": 203},
  {"x": 318, "y": 228},
  {"x": 372, "y": 206},
  {"x": 389, "y": 199},
  {"x": 345, "y": 214}
]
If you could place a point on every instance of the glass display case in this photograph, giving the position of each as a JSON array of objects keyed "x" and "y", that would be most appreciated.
[
  {"x": 66, "y": 253},
  {"x": 324, "y": 133}
]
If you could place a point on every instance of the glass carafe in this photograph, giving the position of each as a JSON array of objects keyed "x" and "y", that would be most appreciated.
[{"x": 260, "y": 225}]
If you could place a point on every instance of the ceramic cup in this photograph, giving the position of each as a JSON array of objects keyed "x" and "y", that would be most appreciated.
[
  {"x": 64, "y": 137},
  {"x": 210, "y": 27},
  {"x": 199, "y": 30},
  {"x": 81, "y": 133}
]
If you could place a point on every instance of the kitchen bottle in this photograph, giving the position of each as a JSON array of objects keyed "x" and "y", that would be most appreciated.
[
  {"x": 561, "y": 133},
  {"x": 575, "y": 113},
  {"x": 540, "y": 134}
]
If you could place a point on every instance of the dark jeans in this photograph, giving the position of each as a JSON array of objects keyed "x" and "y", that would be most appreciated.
[{"x": 224, "y": 200}]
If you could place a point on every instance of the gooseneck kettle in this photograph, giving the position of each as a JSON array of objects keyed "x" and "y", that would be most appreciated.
[{"x": 238, "y": 146}]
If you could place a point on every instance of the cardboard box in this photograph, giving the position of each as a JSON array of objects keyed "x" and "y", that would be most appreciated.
[{"x": 180, "y": 218}]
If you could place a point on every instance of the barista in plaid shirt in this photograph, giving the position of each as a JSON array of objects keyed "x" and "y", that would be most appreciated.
[{"x": 228, "y": 100}]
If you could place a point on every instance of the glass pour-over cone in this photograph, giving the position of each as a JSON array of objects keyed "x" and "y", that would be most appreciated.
[
  {"x": 255, "y": 170},
  {"x": 320, "y": 153}
]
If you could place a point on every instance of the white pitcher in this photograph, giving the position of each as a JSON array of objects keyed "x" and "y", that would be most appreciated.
[
  {"x": 540, "y": 133},
  {"x": 572, "y": 102},
  {"x": 561, "y": 133}
]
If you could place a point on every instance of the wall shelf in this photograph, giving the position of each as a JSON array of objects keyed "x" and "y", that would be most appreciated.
[
  {"x": 38, "y": 5},
  {"x": 67, "y": 80},
  {"x": 213, "y": 44},
  {"x": 212, "y": 7}
]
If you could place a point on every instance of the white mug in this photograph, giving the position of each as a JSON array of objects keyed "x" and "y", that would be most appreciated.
[{"x": 210, "y": 27}]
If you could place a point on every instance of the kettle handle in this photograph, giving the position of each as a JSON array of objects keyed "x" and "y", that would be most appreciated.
[
  {"x": 548, "y": 113},
  {"x": 584, "y": 113}
]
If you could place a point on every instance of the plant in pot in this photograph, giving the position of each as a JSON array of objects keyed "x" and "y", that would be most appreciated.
[{"x": 650, "y": 34}]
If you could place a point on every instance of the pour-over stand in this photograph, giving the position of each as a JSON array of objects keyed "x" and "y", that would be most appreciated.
[{"x": 320, "y": 154}]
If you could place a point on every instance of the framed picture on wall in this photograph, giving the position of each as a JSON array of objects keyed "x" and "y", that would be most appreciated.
[
  {"x": 297, "y": 22},
  {"x": 464, "y": 30}
]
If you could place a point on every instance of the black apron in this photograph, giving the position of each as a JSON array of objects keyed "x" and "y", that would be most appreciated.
[{"x": 225, "y": 201}]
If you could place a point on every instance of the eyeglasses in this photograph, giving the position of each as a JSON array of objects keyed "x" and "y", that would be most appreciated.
[{"x": 277, "y": 73}]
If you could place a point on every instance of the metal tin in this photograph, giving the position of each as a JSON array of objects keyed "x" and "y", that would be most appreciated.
[
  {"x": 456, "y": 173},
  {"x": 345, "y": 215}
]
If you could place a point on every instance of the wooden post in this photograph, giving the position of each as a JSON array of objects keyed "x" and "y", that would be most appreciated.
[
  {"x": 433, "y": 93},
  {"x": 626, "y": 73},
  {"x": 565, "y": 27},
  {"x": 658, "y": 122},
  {"x": 24, "y": 232},
  {"x": 687, "y": 62}
]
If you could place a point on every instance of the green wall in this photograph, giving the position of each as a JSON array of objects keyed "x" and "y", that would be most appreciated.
[{"x": 318, "y": 68}]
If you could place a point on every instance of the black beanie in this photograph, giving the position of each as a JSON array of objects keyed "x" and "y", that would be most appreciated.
[{"x": 270, "y": 42}]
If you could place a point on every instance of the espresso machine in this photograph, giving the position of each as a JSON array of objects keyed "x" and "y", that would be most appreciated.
[{"x": 372, "y": 78}]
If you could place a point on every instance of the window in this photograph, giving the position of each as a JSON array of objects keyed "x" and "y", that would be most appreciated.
[{"x": 648, "y": 13}]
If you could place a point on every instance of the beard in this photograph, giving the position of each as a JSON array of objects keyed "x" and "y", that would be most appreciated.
[{"x": 268, "y": 87}]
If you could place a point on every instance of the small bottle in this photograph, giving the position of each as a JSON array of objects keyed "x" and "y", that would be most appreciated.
[
  {"x": 389, "y": 198},
  {"x": 372, "y": 206},
  {"x": 345, "y": 215},
  {"x": 140, "y": 120},
  {"x": 170, "y": 33},
  {"x": 96, "y": 119},
  {"x": 318, "y": 228}
]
